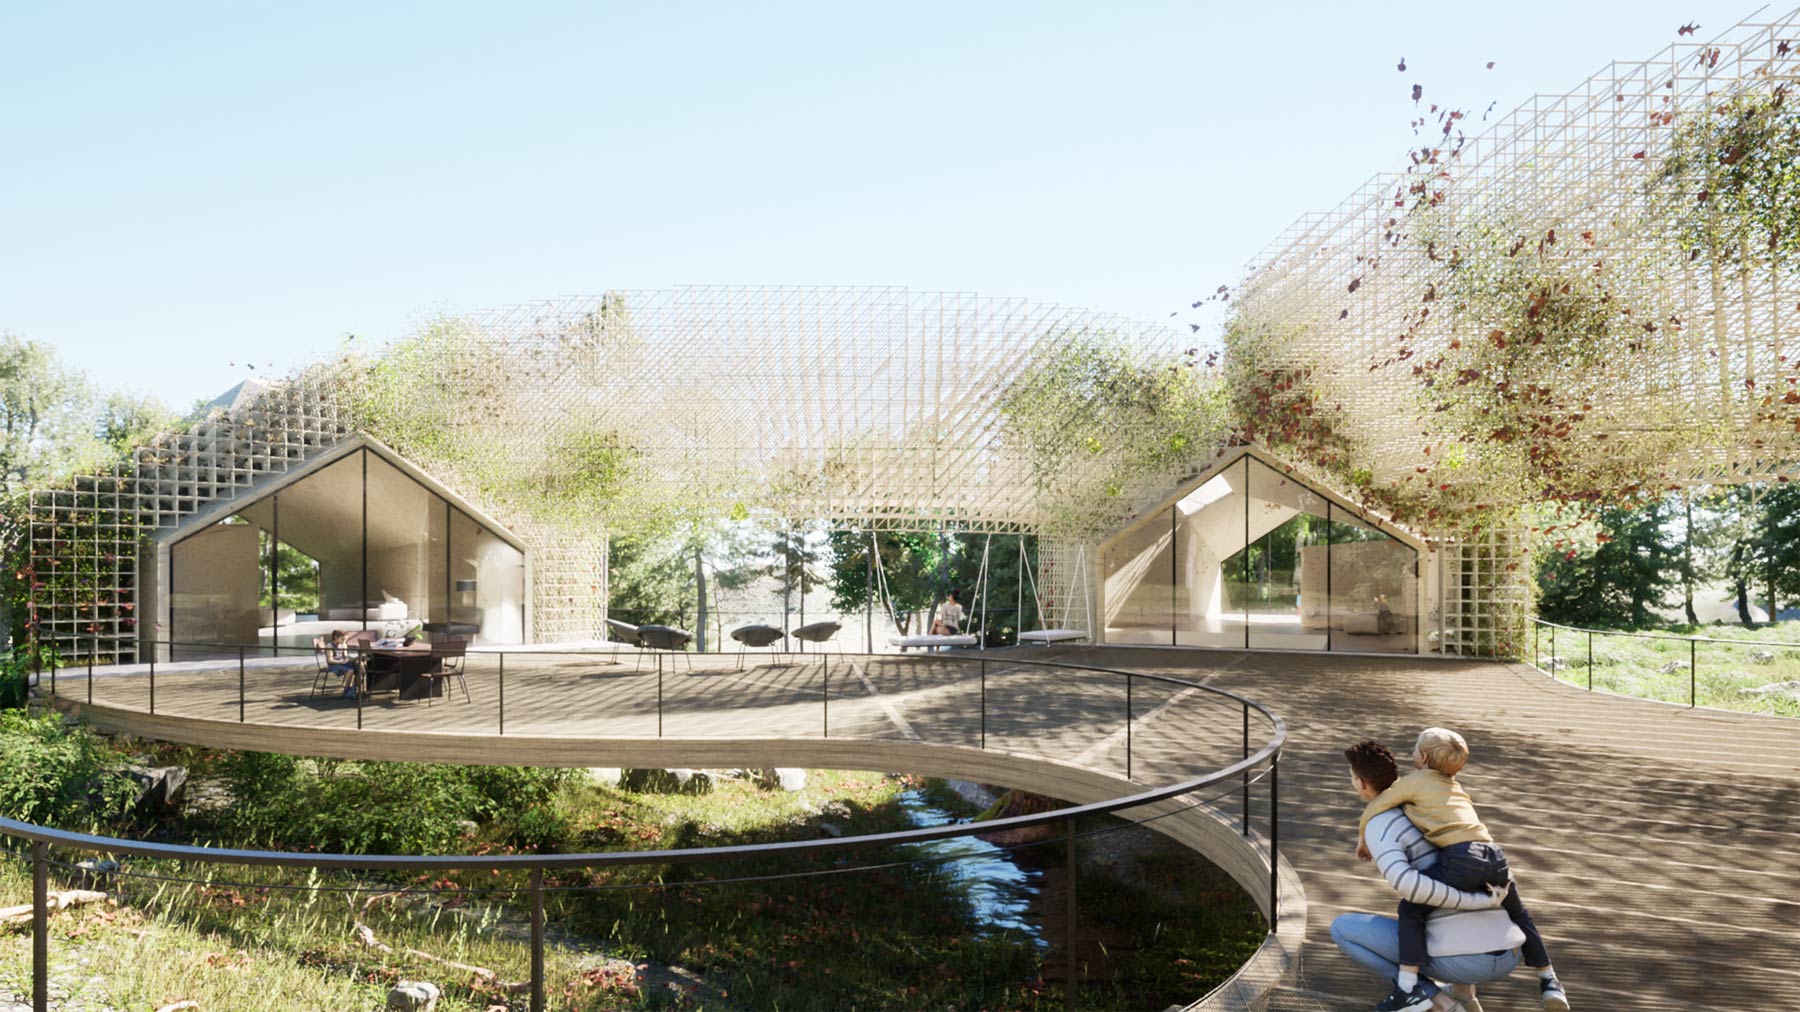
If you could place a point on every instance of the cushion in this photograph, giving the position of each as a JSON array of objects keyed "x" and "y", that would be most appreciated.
[{"x": 1052, "y": 636}]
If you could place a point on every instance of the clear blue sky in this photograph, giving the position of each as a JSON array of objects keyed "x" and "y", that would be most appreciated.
[{"x": 185, "y": 186}]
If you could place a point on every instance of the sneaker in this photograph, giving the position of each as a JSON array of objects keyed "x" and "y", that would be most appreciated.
[
  {"x": 349, "y": 692},
  {"x": 1415, "y": 1000},
  {"x": 1555, "y": 998}
]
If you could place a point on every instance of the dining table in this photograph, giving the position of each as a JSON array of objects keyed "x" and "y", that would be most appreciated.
[{"x": 402, "y": 668}]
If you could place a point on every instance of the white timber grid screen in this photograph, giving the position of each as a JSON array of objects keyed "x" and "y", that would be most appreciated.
[
  {"x": 582, "y": 418},
  {"x": 1357, "y": 299}
]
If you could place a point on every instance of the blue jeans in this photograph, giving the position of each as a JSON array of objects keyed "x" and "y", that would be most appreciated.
[
  {"x": 1374, "y": 942},
  {"x": 1470, "y": 867}
]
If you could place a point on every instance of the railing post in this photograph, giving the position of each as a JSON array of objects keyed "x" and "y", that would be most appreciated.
[
  {"x": 1537, "y": 641},
  {"x": 502, "y": 691},
  {"x": 659, "y": 696},
  {"x": 362, "y": 689},
  {"x": 1693, "y": 674},
  {"x": 153, "y": 679},
  {"x": 52, "y": 679},
  {"x": 537, "y": 939},
  {"x": 984, "y": 702},
  {"x": 1128, "y": 715},
  {"x": 1552, "y": 651},
  {"x": 93, "y": 652},
  {"x": 1590, "y": 633},
  {"x": 1073, "y": 873},
  {"x": 241, "y": 683},
  {"x": 1246, "y": 774},
  {"x": 825, "y": 666},
  {"x": 1274, "y": 842},
  {"x": 40, "y": 926}
]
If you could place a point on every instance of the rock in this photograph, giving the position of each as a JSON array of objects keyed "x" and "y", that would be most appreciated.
[
  {"x": 95, "y": 873},
  {"x": 1556, "y": 664},
  {"x": 675, "y": 781},
  {"x": 1789, "y": 689},
  {"x": 162, "y": 786},
  {"x": 1671, "y": 667},
  {"x": 605, "y": 776},
  {"x": 468, "y": 827},
  {"x": 413, "y": 996},
  {"x": 1762, "y": 656},
  {"x": 831, "y": 829},
  {"x": 782, "y": 778},
  {"x": 835, "y": 809}
]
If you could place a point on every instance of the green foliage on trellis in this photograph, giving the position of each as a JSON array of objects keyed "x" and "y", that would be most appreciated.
[{"x": 1096, "y": 419}]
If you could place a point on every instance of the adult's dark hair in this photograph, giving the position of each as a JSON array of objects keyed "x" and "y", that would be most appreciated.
[{"x": 1374, "y": 763}]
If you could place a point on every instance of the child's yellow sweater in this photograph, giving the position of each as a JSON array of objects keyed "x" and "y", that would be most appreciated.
[{"x": 1435, "y": 803}]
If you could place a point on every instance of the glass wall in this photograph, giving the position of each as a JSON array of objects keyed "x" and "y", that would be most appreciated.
[
  {"x": 356, "y": 545},
  {"x": 1374, "y": 588},
  {"x": 1209, "y": 535},
  {"x": 1140, "y": 583},
  {"x": 1286, "y": 563},
  {"x": 1253, "y": 558}
]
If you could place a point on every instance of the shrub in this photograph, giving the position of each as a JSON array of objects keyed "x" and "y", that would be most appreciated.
[
  {"x": 57, "y": 776},
  {"x": 381, "y": 807}
]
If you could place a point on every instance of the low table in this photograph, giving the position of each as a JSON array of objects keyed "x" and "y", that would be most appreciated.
[{"x": 404, "y": 670}]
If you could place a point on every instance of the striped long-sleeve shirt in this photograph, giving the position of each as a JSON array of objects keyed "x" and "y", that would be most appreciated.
[{"x": 1465, "y": 923}]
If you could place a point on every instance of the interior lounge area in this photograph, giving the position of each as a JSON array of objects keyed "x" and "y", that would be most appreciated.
[
  {"x": 361, "y": 541},
  {"x": 1251, "y": 558}
]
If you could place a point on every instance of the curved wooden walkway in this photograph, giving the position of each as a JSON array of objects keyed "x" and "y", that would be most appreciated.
[{"x": 1659, "y": 848}]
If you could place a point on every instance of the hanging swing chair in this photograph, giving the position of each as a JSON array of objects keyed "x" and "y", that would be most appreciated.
[
  {"x": 1045, "y": 637},
  {"x": 933, "y": 641}
]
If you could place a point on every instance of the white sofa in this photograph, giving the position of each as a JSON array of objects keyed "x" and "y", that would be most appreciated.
[{"x": 391, "y": 610}]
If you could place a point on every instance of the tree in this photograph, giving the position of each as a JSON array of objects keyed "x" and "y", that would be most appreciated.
[
  {"x": 124, "y": 421},
  {"x": 921, "y": 568},
  {"x": 45, "y": 425},
  {"x": 1622, "y": 579}
]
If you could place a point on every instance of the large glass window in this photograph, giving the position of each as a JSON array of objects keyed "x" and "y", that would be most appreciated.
[
  {"x": 355, "y": 545},
  {"x": 1285, "y": 565},
  {"x": 1374, "y": 588},
  {"x": 487, "y": 583},
  {"x": 1209, "y": 537},
  {"x": 1140, "y": 583},
  {"x": 1254, "y": 558}
]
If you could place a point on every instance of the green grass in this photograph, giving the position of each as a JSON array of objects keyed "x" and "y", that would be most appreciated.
[
  {"x": 1713, "y": 674},
  {"x": 895, "y": 937}
]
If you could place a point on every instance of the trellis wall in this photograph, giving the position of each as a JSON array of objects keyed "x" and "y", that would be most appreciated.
[
  {"x": 1487, "y": 594},
  {"x": 1359, "y": 298},
  {"x": 87, "y": 542},
  {"x": 1679, "y": 367},
  {"x": 858, "y": 407}
]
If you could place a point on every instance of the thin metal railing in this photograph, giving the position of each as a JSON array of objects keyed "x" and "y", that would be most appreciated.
[
  {"x": 1555, "y": 660},
  {"x": 42, "y": 838}
]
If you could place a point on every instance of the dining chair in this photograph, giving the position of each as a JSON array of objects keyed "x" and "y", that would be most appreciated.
[
  {"x": 322, "y": 657},
  {"x": 448, "y": 660}
]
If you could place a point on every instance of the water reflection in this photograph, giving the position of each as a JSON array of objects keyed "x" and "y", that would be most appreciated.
[{"x": 1001, "y": 885}]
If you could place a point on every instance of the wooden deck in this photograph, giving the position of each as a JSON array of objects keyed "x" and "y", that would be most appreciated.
[{"x": 1656, "y": 846}]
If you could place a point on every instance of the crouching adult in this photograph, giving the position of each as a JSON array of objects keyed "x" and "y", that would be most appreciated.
[{"x": 1470, "y": 940}]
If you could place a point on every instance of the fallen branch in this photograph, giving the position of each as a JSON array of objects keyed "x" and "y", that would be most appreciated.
[
  {"x": 180, "y": 1006},
  {"x": 55, "y": 901},
  {"x": 366, "y": 936}
]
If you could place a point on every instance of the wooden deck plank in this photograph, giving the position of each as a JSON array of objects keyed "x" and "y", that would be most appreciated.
[{"x": 1658, "y": 846}]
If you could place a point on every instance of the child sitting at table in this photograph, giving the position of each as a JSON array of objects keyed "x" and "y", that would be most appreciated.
[{"x": 339, "y": 662}]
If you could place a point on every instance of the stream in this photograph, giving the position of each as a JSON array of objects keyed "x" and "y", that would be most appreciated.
[{"x": 1002, "y": 886}]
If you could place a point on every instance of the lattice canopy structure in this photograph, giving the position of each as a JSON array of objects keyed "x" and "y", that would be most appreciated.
[
  {"x": 1595, "y": 297},
  {"x": 867, "y": 407},
  {"x": 575, "y": 420}
]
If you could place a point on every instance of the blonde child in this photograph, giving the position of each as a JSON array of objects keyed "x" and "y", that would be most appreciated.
[{"x": 1468, "y": 858}]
